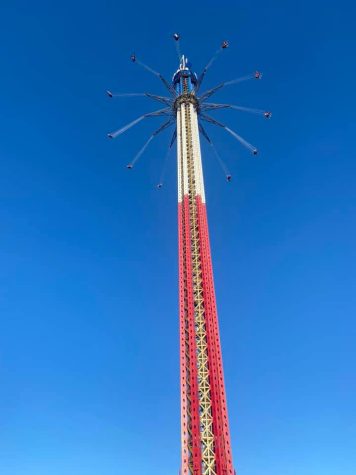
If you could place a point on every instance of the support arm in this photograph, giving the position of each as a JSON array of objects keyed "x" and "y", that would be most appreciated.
[
  {"x": 151, "y": 137},
  {"x": 224, "y": 45},
  {"x": 210, "y": 106},
  {"x": 244, "y": 142},
  {"x": 162, "y": 99},
  {"x": 155, "y": 73},
  {"x": 213, "y": 90},
  {"x": 165, "y": 111}
]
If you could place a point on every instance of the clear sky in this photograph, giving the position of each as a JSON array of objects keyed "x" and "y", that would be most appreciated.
[{"x": 88, "y": 249}]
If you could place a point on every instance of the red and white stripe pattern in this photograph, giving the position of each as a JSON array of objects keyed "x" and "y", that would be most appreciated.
[{"x": 205, "y": 438}]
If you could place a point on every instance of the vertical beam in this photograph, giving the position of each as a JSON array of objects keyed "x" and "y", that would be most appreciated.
[
  {"x": 205, "y": 404},
  {"x": 183, "y": 350},
  {"x": 189, "y": 386},
  {"x": 206, "y": 446},
  {"x": 221, "y": 423}
]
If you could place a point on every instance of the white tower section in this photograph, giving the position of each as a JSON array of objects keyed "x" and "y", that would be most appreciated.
[{"x": 188, "y": 148}]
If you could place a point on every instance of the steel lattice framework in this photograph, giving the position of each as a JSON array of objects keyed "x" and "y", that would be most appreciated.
[
  {"x": 205, "y": 434},
  {"x": 204, "y": 423}
]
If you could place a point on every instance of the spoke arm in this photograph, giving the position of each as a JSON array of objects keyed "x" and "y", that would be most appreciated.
[
  {"x": 155, "y": 73},
  {"x": 231, "y": 132},
  {"x": 207, "y": 118},
  {"x": 204, "y": 134},
  {"x": 174, "y": 138},
  {"x": 162, "y": 99},
  {"x": 125, "y": 94},
  {"x": 165, "y": 100},
  {"x": 224, "y": 45},
  {"x": 140, "y": 152},
  {"x": 216, "y": 154},
  {"x": 207, "y": 106},
  {"x": 164, "y": 166},
  {"x": 151, "y": 137},
  {"x": 176, "y": 38},
  {"x": 210, "y": 106},
  {"x": 213, "y": 90},
  {"x": 167, "y": 85},
  {"x": 163, "y": 126},
  {"x": 165, "y": 111}
]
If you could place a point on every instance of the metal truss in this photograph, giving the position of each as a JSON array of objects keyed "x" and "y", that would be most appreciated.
[{"x": 205, "y": 434}]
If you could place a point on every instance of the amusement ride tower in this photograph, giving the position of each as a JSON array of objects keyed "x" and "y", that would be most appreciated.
[{"x": 205, "y": 435}]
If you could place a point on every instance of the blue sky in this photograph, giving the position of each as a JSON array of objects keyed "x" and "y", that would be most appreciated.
[{"x": 88, "y": 277}]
